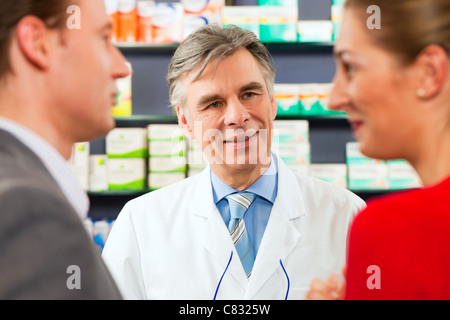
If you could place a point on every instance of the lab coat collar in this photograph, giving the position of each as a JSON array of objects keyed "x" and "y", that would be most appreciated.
[
  {"x": 279, "y": 239},
  {"x": 281, "y": 235}
]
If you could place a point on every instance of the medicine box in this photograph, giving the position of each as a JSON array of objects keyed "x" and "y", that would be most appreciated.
[
  {"x": 79, "y": 163},
  {"x": 402, "y": 175},
  {"x": 245, "y": 17},
  {"x": 126, "y": 174},
  {"x": 278, "y": 23},
  {"x": 198, "y": 13},
  {"x": 365, "y": 173},
  {"x": 166, "y": 132},
  {"x": 167, "y": 164},
  {"x": 98, "y": 173},
  {"x": 196, "y": 160},
  {"x": 369, "y": 176},
  {"x": 294, "y": 154},
  {"x": 333, "y": 173},
  {"x": 127, "y": 143},
  {"x": 167, "y": 22},
  {"x": 315, "y": 31},
  {"x": 354, "y": 155},
  {"x": 290, "y": 131},
  {"x": 159, "y": 180},
  {"x": 287, "y": 98}
]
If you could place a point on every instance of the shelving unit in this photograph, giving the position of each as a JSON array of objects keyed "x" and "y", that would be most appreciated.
[{"x": 294, "y": 62}]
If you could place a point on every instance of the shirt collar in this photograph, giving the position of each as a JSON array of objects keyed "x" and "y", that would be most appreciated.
[
  {"x": 57, "y": 166},
  {"x": 266, "y": 186}
]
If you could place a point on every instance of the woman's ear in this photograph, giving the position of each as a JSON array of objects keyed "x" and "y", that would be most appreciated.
[{"x": 432, "y": 64}]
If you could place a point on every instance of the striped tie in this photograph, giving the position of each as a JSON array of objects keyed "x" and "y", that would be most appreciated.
[{"x": 239, "y": 203}]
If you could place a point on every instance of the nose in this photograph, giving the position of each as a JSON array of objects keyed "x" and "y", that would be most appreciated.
[
  {"x": 339, "y": 99},
  {"x": 236, "y": 113},
  {"x": 121, "y": 68}
]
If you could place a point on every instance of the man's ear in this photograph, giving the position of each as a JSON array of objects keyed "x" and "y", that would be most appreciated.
[
  {"x": 183, "y": 123},
  {"x": 432, "y": 64},
  {"x": 274, "y": 107},
  {"x": 33, "y": 40}
]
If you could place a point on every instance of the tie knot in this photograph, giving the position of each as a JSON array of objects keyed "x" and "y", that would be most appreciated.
[{"x": 239, "y": 203}]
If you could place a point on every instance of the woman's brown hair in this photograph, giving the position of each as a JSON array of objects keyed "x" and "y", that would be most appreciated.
[{"x": 408, "y": 26}]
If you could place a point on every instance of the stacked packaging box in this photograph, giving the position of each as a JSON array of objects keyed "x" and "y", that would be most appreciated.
[
  {"x": 196, "y": 160},
  {"x": 291, "y": 143},
  {"x": 167, "y": 155},
  {"x": 365, "y": 173},
  {"x": 79, "y": 163},
  {"x": 127, "y": 151}
]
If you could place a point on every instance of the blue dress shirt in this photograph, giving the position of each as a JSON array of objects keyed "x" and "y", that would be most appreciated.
[{"x": 258, "y": 213}]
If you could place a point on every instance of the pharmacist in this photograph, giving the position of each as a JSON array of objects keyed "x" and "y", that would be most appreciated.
[{"x": 247, "y": 227}]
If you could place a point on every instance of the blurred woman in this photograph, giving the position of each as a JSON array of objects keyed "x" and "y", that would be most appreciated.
[{"x": 394, "y": 84}]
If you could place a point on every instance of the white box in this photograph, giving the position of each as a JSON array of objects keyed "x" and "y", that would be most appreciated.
[
  {"x": 126, "y": 174},
  {"x": 159, "y": 180},
  {"x": 166, "y": 148},
  {"x": 79, "y": 163},
  {"x": 402, "y": 175},
  {"x": 127, "y": 143},
  {"x": 291, "y": 131},
  {"x": 333, "y": 173},
  {"x": 167, "y": 164},
  {"x": 354, "y": 156},
  {"x": 370, "y": 176},
  {"x": 294, "y": 153},
  {"x": 98, "y": 173},
  {"x": 164, "y": 132}
]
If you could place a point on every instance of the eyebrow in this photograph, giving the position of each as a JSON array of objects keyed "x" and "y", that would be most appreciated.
[
  {"x": 207, "y": 99},
  {"x": 252, "y": 86}
]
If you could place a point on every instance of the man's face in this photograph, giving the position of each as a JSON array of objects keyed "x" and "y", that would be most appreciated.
[
  {"x": 86, "y": 66},
  {"x": 230, "y": 112}
]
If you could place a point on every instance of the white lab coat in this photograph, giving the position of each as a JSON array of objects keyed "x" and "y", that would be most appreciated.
[{"x": 173, "y": 243}]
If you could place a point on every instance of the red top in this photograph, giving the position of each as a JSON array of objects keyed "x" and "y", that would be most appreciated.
[{"x": 399, "y": 247}]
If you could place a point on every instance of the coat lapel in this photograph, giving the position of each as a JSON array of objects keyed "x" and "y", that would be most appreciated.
[
  {"x": 280, "y": 236},
  {"x": 216, "y": 238}
]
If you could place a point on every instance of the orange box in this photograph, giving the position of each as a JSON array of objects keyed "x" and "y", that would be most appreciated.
[
  {"x": 145, "y": 15},
  {"x": 128, "y": 21},
  {"x": 112, "y": 8}
]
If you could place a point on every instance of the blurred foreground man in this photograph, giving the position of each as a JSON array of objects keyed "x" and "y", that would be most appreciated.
[{"x": 57, "y": 84}]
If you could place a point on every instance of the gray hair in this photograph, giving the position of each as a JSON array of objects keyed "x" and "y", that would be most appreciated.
[{"x": 213, "y": 42}]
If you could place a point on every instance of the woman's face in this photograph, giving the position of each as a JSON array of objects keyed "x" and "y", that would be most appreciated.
[{"x": 376, "y": 91}]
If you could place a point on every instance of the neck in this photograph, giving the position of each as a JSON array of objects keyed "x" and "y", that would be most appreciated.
[
  {"x": 26, "y": 111},
  {"x": 432, "y": 163},
  {"x": 239, "y": 178}
]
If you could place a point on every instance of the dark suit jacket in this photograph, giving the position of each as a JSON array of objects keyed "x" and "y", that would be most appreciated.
[{"x": 41, "y": 235}]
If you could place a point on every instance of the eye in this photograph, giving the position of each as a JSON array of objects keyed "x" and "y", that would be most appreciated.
[
  {"x": 214, "y": 105},
  {"x": 349, "y": 68},
  {"x": 249, "y": 95}
]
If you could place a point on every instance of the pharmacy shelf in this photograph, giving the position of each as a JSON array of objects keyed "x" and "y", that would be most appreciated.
[
  {"x": 274, "y": 47},
  {"x": 135, "y": 193},
  {"x": 174, "y": 119}
]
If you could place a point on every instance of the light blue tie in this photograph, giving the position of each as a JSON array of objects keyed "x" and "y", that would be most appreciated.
[{"x": 239, "y": 203}]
